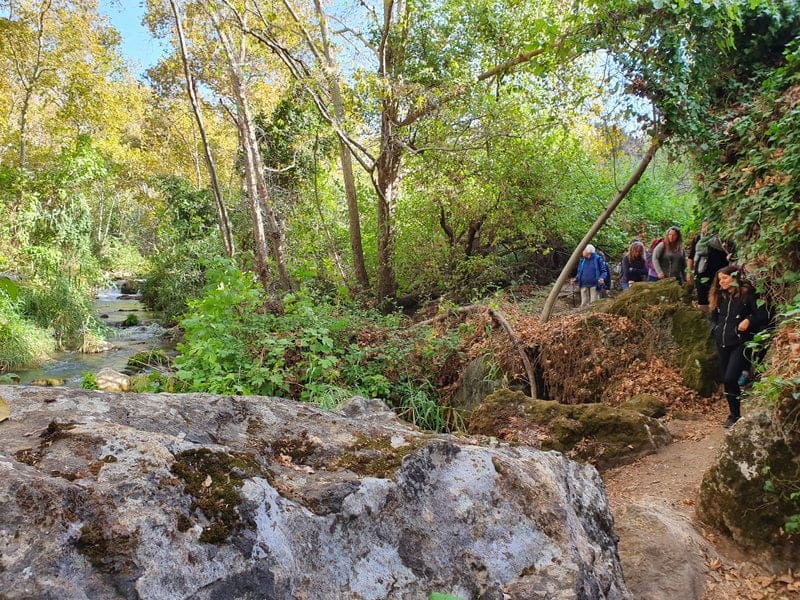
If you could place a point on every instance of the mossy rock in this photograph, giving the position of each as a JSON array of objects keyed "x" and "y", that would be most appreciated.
[
  {"x": 688, "y": 346},
  {"x": 646, "y": 301},
  {"x": 647, "y": 405},
  {"x": 130, "y": 287},
  {"x": 132, "y": 320},
  {"x": 602, "y": 435},
  {"x": 746, "y": 494},
  {"x": 697, "y": 355}
]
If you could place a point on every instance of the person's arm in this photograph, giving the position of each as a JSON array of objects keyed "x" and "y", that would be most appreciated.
[
  {"x": 605, "y": 274},
  {"x": 659, "y": 250},
  {"x": 757, "y": 317},
  {"x": 690, "y": 258}
]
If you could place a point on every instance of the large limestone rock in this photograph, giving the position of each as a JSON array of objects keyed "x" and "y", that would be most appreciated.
[{"x": 199, "y": 496}]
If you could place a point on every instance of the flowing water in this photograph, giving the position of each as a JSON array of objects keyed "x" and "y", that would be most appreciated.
[{"x": 111, "y": 308}]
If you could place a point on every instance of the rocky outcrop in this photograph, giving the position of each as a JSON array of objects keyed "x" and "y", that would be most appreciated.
[
  {"x": 747, "y": 494},
  {"x": 200, "y": 496},
  {"x": 602, "y": 435}
]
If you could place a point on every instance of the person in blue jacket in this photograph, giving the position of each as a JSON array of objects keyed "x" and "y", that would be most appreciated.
[
  {"x": 592, "y": 275},
  {"x": 736, "y": 314}
]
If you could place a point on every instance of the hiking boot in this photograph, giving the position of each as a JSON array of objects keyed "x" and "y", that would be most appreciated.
[{"x": 730, "y": 421}]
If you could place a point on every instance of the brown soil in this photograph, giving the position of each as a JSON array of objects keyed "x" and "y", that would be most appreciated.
[{"x": 672, "y": 477}]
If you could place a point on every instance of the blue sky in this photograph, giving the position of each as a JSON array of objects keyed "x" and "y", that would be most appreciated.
[{"x": 139, "y": 48}]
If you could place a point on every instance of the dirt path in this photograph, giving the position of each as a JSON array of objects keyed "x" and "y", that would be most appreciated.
[{"x": 672, "y": 478}]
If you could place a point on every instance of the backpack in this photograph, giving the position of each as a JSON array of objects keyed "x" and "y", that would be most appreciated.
[
  {"x": 605, "y": 273},
  {"x": 648, "y": 255}
]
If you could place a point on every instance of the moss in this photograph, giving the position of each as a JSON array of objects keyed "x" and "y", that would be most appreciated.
[
  {"x": 375, "y": 456},
  {"x": 54, "y": 431},
  {"x": 647, "y": 405},
  {"x": 107, "y": 550},
  {"x": 213, "y": 479},
  {"x": 648, "y": 301},
  {"x": 597, "y": 433},
  {"x": 299, "y": 449},
  {"x": 696, "y": 354}
]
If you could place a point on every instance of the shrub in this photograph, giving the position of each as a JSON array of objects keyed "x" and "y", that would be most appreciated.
[
  {"x": 131, "y": 320},
  {"x": 316, "y": 350},
  {"x": 177, "y": 276},
  {"x": 61, "y": 306},
  {"x": 89, "y": 381},
  {"x": 24, "y": 343}
]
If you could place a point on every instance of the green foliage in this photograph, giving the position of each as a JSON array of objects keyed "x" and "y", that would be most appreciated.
[
  {"x": 752, "y": 188},
  {"x": 188, "y": 211},
  {"x": 316, "y": 350},
  {"x": 178, "y": 275},
  {"x": 122, "y": 258},
  {"x": 24, "y": 343},
  {"x": 785, "y": 491},
  {"x": 89, "y": 380},
  {"x": 61, "y": 305},
  {"x": 10, "y": 288}
]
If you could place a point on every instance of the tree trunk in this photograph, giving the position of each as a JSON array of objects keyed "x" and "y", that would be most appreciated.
[
  {"x": 353, "y": 216},
  {"x": 388, "y": 180},
  {"x": 263, "y": 213},
  {"x": 222, "y": 214},
  {"x": 256, "y": 209},
  {"x": 633, "y": 180}
]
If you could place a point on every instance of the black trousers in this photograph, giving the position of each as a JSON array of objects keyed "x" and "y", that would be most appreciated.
[{"x": 732, "y": 362}]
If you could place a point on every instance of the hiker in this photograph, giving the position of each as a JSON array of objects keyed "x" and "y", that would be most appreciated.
[
  {"x": 735, "y": 316},
  {"x": 634, "y": 267},
  {"x": 669, "y": 259},
  {"x": 592, "y": 275},
  {"x": 707, "y": 255}
]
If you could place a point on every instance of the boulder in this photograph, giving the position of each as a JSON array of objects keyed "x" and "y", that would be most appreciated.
[
  {"x": 600, "y": 434},
  {"x": 476, "y": 382},
  {"x": 109, "y": 380},
  {"x": 130, "y": 287},
  {"x": 200, "y": 496},
  {"x": 662, "y": 554},
  {"x": 747, "y": 494}
]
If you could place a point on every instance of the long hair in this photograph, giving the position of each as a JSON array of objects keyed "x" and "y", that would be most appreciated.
[
  {"x": 740, "y": 287},
  {"x": 636, "y": 251},
  {"x": 678, "y": 245}
]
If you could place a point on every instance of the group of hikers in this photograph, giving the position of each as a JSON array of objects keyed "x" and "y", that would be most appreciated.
[{"x": 722, "y": 287}]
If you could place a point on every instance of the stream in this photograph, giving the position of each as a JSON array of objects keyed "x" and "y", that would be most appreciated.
[{"x": 110, "y": 307}]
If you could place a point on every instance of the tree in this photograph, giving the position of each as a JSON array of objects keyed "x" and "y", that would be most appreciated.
[
  {"x": 420, "y": 57},
  {"x": 219, "y": 201}
]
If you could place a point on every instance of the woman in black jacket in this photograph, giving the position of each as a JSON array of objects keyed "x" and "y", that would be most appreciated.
[{"x": 735, "y": 316}]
